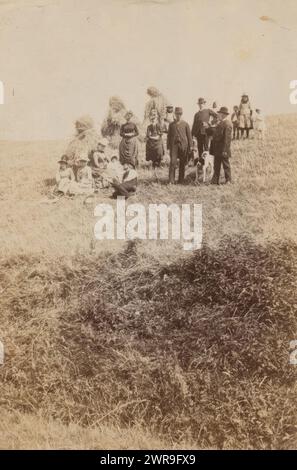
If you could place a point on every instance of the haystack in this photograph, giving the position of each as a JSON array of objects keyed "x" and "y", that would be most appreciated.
[
  {"x": 85, "y": 140},
  {"x": 115, "y": 118},
  {"x": 156, "y": 101}
]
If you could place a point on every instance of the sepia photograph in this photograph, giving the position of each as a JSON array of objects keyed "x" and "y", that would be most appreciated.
[{"x": 148, "y": 234}]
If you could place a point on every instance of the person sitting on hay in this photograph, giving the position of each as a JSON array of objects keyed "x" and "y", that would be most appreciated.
[
  {"x": 127, "y": 187},
  {"x": 64, "y": 177},
  {"x": 98, "y": 153},
  {"x": 98, "y": 173},
  {"x": 85, "y": 141},
  {"x": 84, "y": 180},
  {"x": 109, "y": 173},
  {"x": 129, "y": 144},
  {"x": 114, "y": 169}
]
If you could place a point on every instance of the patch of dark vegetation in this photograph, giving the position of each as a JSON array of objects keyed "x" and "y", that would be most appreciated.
[{"x": 196, "y": 350}]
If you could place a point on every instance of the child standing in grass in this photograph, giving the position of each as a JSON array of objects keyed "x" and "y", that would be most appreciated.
[
  {"x": 235, "y": 122},
  {"x": 245, "y": 115},
  {"x": 64, "y": 176},
  {"x": 259, "y": 124}
]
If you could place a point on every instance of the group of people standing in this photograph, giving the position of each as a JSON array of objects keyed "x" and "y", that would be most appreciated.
[
  {"x": 211, "y": 132},
  {"x": 245, "y": 119}
]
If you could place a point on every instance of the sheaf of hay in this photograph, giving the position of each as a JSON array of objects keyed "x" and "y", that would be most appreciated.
[
  {"x": 157, "y": 101},
  {"x": 85, "y": 140}
]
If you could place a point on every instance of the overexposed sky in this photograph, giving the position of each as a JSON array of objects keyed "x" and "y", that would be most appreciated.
[{"x": 60, "y": 59}]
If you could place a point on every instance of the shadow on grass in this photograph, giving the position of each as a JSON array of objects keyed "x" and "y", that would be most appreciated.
[{"x": 49, "y": 182}]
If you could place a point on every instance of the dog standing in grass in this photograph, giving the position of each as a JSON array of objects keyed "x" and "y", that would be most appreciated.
[{"x": 205, "y": 162}]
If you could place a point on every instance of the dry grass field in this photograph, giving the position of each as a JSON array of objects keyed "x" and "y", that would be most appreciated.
[{"x": 141, "y": 344}]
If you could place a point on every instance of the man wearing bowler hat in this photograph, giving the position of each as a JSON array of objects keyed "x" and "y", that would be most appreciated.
[
  {"x": 222, "y": 146},
  {"x": 179, "y": 143},
  {"x": 201, "y": 125}
]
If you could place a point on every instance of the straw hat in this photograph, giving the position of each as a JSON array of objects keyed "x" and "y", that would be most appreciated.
[
  {"x": 83, "y": 158},
  {"x": 63, "y": 159}
]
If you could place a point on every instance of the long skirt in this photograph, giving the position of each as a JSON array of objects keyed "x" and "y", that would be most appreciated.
[
  {"x": 63, "y": 185},
  {"x": 245, "y": 121},
  {"x": 154, "y": 151},
  {"x": 129, "y": 151}
]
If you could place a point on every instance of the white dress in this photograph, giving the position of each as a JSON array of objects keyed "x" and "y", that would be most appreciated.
[
  {"x": 259, "y": 122},
  {"x": 84, "y": 183},
  {"x": 64, "y": 179}
]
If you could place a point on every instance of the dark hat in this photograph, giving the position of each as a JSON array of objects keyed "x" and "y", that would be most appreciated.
[
  {"x": 169, "y": 108},
  {"x": 63, "y": 159},
  {"x": 178, "y": 110},
  {"x": 201, "y": 101},
  {"x": 223, "y": 110}
]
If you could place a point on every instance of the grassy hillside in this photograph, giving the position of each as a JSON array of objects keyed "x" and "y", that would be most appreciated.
[{"x": 142, "y": 339}]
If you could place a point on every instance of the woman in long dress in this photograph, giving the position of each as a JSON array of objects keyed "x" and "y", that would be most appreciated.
[
  {"x": 129, "y": 144},
  {"x": 154, "y": 142}
]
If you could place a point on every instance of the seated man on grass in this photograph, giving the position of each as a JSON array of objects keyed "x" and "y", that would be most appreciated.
[{"x": 128, "y": 185}]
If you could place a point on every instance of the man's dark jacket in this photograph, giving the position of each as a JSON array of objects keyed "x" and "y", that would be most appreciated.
[
  {"x": 222, "y": 138},
  {"x": 202, "y": 116},
  {"x": 179, "y": 132}
]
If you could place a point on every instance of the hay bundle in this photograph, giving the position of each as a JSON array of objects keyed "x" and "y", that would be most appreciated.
[
  {"x": 156, "y": 102},
  {"x": 85, "y": 140},
  {"x": 115, "y": 118}
]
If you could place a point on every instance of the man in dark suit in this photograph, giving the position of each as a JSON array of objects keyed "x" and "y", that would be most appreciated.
[
  {"x": 179, "y": 143},
  {"x": 201, "y": 125},
  {"x": 222, "y": 147}
]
